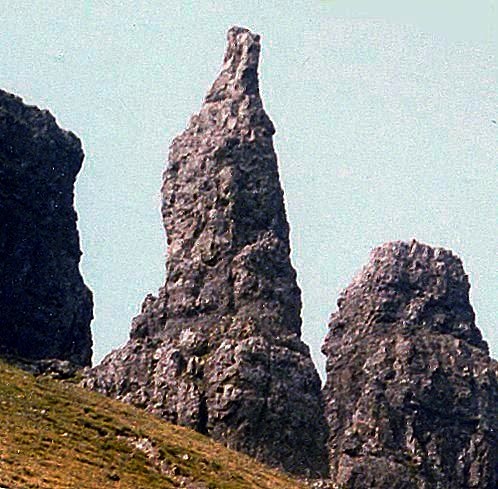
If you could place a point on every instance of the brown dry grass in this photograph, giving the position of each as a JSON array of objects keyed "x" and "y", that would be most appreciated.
[{"x": 55, "y": 435}]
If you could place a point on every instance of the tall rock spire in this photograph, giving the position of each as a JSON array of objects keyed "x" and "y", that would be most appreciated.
[
  {"x": 45, "y": 307},
  {"x": 411, "y": 393},
  {"x": 219, "y": 349}
]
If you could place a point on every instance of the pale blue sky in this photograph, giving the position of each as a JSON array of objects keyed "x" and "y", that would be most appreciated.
[{"x": 383, "y": 113}]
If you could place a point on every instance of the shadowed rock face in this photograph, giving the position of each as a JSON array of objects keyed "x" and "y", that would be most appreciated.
[
  {"x": 219, "y": 349},
  {"x": 45, "y": 308},
  {"x": 411, "y": 393}
]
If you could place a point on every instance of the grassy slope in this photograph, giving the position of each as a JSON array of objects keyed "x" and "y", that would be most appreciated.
[{"x": 55, "y": 435}]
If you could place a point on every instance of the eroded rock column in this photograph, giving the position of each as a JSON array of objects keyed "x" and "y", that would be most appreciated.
[
  {"x": 411, "y": 393},
  {"x": 45, "y": 307},
  {"x": 219, "y": 348}
]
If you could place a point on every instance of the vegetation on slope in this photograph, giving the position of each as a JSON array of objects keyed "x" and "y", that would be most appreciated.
[{"x": 55, "y": 435}]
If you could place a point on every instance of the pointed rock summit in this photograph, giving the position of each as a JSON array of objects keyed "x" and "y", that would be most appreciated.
[
  {"x": 411, "y": 393},
  {"x": 219, "y": 349},
  {"x": 45, "y": 307}
]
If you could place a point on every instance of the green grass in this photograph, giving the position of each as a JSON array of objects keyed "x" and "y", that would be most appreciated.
[{"x": 55, "y": 435}]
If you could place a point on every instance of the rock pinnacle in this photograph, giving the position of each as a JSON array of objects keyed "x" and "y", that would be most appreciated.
[
  {"x": 45, "y": 306},
  {"x": 219, "y": 348},
  {"x": 411, "y": 393}
]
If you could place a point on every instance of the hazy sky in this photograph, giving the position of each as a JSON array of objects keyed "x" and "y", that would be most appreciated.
[{"x": 386, "y": 129}]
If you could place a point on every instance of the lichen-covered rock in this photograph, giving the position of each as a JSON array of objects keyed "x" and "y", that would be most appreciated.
[
  {"x": 45, "y": 308},
  {"x": 411, "y": 393},
  {"x": 219, "y": 349}
]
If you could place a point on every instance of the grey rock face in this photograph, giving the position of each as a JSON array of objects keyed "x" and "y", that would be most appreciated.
[
  {"x": 219, "y": 349},
  {"x": 411, "y": 393},
  {"x": 45, "y": 308}
]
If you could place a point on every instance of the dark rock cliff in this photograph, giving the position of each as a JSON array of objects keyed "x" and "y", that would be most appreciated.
[
  {"x": 411, "y": 393},
  {"x": 45, "y": 308},
  {"x": 219, "y": 349}
]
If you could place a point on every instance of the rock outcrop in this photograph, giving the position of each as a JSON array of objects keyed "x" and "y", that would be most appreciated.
[
  {"x": 45, "y": 308},
  {"x": 411, "y": 393},
  {"x": 219, "y": 349}
]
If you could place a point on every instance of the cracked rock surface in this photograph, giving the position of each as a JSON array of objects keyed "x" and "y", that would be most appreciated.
[
  {"x": 45, "y": 306},
  {"x": 411, "y": 393},
  {"x": 219, "y": 348}
]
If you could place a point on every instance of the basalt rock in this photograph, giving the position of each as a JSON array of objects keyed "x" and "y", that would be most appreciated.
[
  {"x": 45, "y": 308},
  {"x": 411, "y": 393},
  {"x": 219, "y": 349}
]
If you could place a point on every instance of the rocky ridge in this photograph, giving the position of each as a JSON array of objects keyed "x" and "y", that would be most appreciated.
[
  {"x": 219, "y": 348},
  {"x": 411, "y": 393},
  {"x": 45, "y": 306}
]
